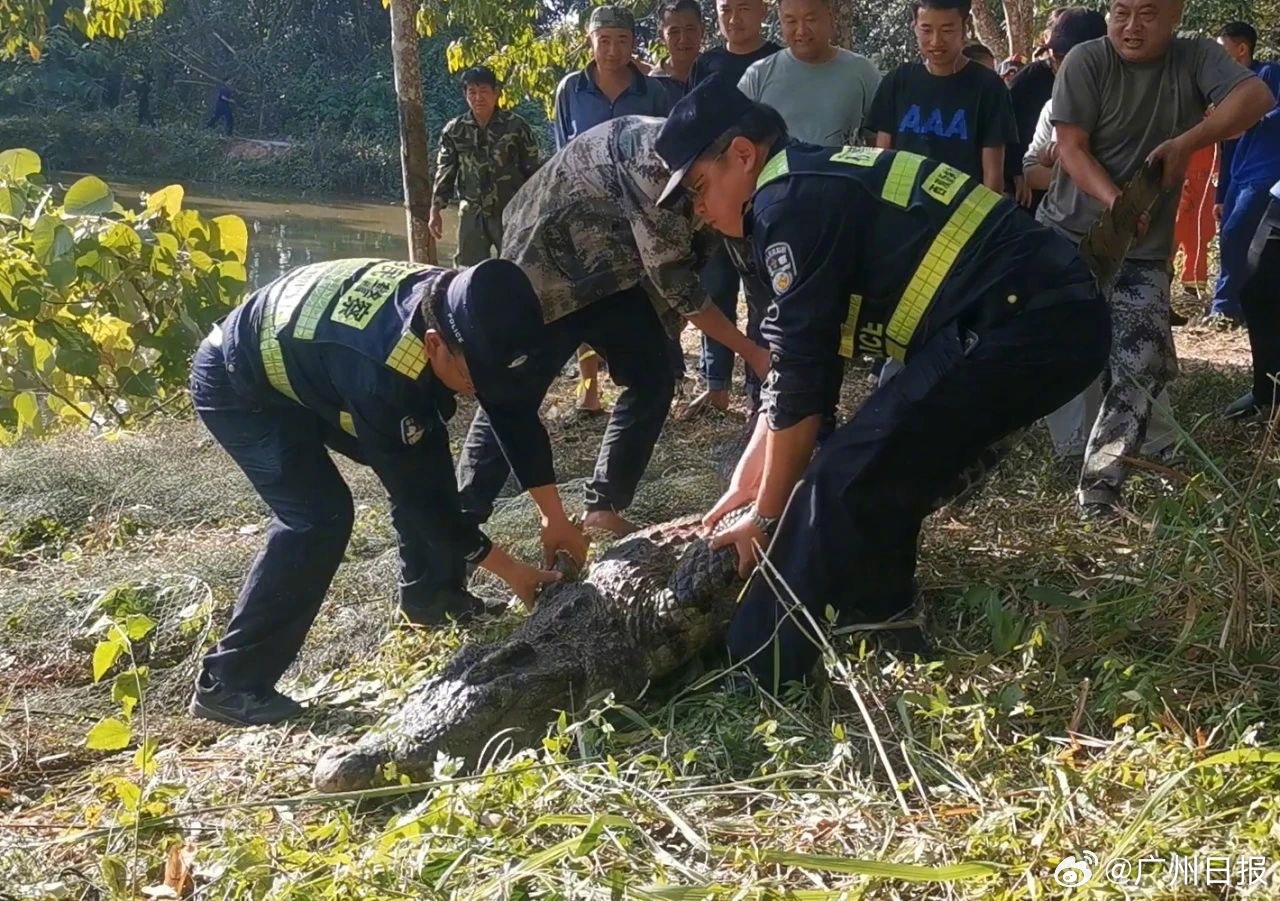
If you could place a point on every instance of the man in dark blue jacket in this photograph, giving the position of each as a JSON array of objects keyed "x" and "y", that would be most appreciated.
[
  {"x": 1262, "y": 316},
  {"x": 888, "y": 253},
  {"x": 362, "y": 357}
]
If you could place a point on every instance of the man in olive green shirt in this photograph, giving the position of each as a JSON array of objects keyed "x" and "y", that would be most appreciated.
[{"x": 486, "y": 154}]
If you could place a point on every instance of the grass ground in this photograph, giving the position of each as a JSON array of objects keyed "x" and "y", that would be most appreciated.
[{"x": 1102, "y": 690}]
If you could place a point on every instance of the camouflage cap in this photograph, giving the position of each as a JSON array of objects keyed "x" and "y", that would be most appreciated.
[{"x": 611, "y": 17}]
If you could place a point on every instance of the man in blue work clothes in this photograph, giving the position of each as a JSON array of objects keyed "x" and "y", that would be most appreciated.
[
  {"x": 611, "y": 85},
  {"x": 1262, "y": 316},
  {"x": 868, "y": 250},
  {"x": 362, "y": 357},
  {"x": 1248, "y": 168}
]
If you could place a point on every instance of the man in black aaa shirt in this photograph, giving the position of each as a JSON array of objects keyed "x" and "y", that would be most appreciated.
[
  {"x": 741, "y": 22},
  {"x": 947, "y": 108}
]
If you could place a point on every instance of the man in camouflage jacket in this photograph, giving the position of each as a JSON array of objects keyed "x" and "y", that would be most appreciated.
[
  {"x": 616, "y": 272},
  {"x": 486, "y": 154}
]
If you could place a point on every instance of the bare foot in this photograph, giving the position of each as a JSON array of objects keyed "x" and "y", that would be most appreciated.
[
  {"x": 608, "y": 521},
  {"x": 718, "y": 400}
]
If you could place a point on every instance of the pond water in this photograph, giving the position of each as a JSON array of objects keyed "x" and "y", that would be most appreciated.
[{"x": 289, "y": 231}]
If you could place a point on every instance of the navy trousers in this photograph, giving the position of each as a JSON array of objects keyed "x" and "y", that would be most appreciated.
[
  {"x": 848, "y": 536},
  {"x": 283, "y": 449},
  {"x": 624, "y": 329},
  {"x": 1260, "y": 301}
]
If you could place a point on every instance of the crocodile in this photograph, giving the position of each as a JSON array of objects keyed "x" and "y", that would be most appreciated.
[
  {"x": 647, "y": 607},
  {"x": 651, "y": 604}
]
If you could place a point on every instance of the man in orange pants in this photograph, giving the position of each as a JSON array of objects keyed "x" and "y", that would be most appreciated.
[{"x": 1196, "y": 224}]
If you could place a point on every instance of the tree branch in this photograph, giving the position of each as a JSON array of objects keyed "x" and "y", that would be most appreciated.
[{"x": 989, "y": 31}]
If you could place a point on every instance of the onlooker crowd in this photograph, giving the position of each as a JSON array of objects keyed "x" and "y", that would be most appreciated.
[{"x": 1062, "y": 132}]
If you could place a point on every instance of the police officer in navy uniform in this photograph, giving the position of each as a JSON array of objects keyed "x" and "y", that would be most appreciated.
[
  {"x": 888, "y": 253},
  {"x": 363, "y": 357}
]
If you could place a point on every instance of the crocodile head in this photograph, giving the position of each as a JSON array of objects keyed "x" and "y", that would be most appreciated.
[{"x": 648, "y": 605}]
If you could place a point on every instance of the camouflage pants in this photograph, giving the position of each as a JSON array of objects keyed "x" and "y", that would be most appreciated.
[
  {"x": 476, "y": 234},
  {"x": 1143, "y": 361}
]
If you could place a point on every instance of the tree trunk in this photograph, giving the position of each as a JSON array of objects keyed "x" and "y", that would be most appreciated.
[
  {"x": 845, "y": 23},
  {"x": 413, "y": 130},
  {"x": 1020, "y": 21},
  {"x": 989, "y": 30}
]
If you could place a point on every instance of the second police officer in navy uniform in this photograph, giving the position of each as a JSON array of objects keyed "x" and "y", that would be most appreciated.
[
  {"x": 871, "y": 251},
  {"x": 363, "y": 357}
]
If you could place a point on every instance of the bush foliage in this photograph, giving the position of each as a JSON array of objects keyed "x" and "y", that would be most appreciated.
[{"x": 100, "y": 306}]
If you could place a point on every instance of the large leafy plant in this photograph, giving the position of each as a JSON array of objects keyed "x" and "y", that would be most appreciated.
[{"x": 100, "y": 306}]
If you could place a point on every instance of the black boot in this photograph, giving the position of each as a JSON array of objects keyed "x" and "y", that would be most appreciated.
[
  {"x": 458, "y": 603},
  {"x": 1244, "y": 408},
  {"x": 240, "y": 707}
]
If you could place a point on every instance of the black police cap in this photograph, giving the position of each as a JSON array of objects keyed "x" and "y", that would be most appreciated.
[
  {"x": 695, "y": 123},
  {"x": 493, "y": 313}
]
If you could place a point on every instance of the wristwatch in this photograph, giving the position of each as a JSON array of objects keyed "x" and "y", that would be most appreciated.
[{"x": 765, "y": 524}]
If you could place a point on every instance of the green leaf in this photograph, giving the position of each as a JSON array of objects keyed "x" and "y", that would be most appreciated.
[
  {"x": 41, "y": 354},
  {"x": 74, "y": 351},
  {"x": 100, "y": 263},
  {"x": 129, "y": 793},
  {"x": 201, "y": 260},
  {"x": 234, "y": 271},
  {"x": 114, "y": 874},
  {"x": 131, "y": 684},
  {"x": 62, "y": 273},
  {"x": 590, "y": 838},
  {"x": 1006, "y": 628},
  {"x": 108, "y": 735},
  {"x": 20, "y": 296},
  {"x": 139, "y": 384},
  {"x": 17, "y": 164},
  {"x": 51, "y": 239},
  {"x": 104, "y": 656},
  {"x": 28, "y": 410},
  {"x": 190, "y": 227},
  {"x": 138, "y": 626},
  {"x": 168, "y": 242},
  {"x": 145, "y": 757},
  {"x": 122, "y": 239},
  {"x": 168, "y": 200},
  {"x": 90, "y": 196},
  {"x": 232, "y": 236},
  {"x": 12, "y": 202}
]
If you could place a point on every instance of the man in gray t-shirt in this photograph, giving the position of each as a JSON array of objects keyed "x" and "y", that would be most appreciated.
[
  {"x": 1134, "y": 95},
  {"x": 822, "y": 91}
]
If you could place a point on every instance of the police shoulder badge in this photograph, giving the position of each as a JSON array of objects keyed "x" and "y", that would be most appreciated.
[
  {"x": 780, "y": 263},
  {"x": 411, "y": 431}
]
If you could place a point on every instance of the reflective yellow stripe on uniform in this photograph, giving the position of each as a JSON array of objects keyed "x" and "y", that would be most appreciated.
[
  {"x": 901, "y": 180},
  {"x": 277, "y": 312},
  {"x": 850, "y": 324},
  {"x": 935, "y": 267},
  {"x": 315, "y": 288},
  {"x": 408, "y": 357},
  {"x": 325, "y": 291},
  {"x": 774, "y": 168}
]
